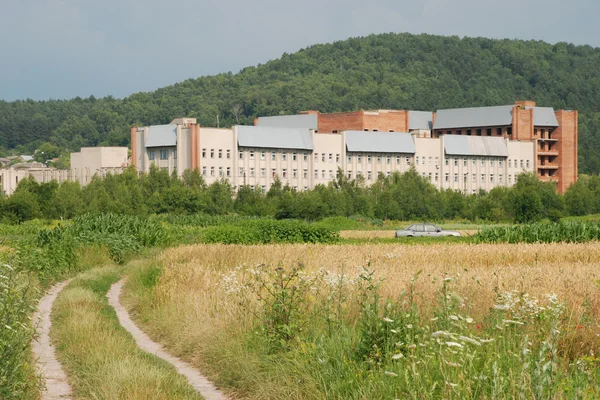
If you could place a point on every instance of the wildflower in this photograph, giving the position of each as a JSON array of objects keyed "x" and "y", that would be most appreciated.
[
  {"x": 453, "y": 385},
  {"x": 409, "y": 326},
  {"x": 486, "y": 340},
  {"x": 453, "y": 317},
  {"x": 512, "y": 322},
  {"x": 501, "y": 307},
  {"x": 448, "y": 279},
  {"x": 469, "y": 340},
  {"x": 455, "y": 365},
  {"x": 469, "y": 320},
  {"x": 440, "y": 334},
  {"x": 397, "y": 356},
  {"x": 412, "y": 346},
  {"x": 434, "y": 319},
  {"x": 390, "y": 373},
  {"x": 454, "y": 344},
  {"x": 393, "y": 331},
  {"x": 386, "y": 319}
]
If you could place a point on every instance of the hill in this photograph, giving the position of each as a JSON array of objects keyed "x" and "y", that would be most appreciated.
[{"x": 403, "y": 71}]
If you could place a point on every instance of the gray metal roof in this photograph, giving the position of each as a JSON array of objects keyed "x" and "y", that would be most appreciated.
[
  {"x": 458, "y": 145},
  {"x": 274, "y": 138},
  {"x": 544, "y": 116},
  {"x": 380, "y": 142},
  {"x": 473, "y": 117},
  {"x": 162, "y": 136},
  {"x": 308, "y": 121},
  {"x": 420, "y": 120}
]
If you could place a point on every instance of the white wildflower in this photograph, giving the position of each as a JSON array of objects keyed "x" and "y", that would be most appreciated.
[
  {"x": 454, "y": 344},
  {"x": 486, "y": 340},
  {"x": 390, "y": 373},
  {"x": 397, "y": 356},
  {"x": 386, "y": 319},
  {"x": 455, "y": 365},
  {"x": 448, "y": 279},
  {"x": 501, "y": 307},
  {"x": 469, "y": 340},
  {"x": 441, "y": 334},
  {"x": 453, "y": 317},
  {"x": 453, "y": 385},
  {"x": 412, "y": 346},
  {"x": 469, "y": 320},
  {"x": 393, "y": 331},
  {"x": 512, "y": 322},
  {"x": 409, "y": 326}
]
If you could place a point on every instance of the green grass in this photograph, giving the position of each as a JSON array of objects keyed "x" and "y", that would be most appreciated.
[{"x": 100, "y": 357}]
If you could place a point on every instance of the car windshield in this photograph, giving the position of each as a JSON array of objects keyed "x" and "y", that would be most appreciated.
[{"x": 430, "y": 228}]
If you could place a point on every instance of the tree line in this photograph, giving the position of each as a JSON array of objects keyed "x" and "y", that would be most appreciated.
[
  {"x": 391, "y": 71},
  {"x": 400, "y": 196}
]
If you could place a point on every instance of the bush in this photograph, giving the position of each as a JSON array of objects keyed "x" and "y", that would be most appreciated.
[{"x": 542, "y": 232}]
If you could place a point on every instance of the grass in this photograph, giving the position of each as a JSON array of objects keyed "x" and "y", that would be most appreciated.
[
  {"x": 101, "y": 358},
  {"x": 183, "y": 302}
]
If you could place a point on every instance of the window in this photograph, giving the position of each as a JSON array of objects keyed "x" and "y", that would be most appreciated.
[
  {"x": 263, "y": 188},
  {"x": 499, "y": 131},
  {"x": 446, "y": 161},
  {"x": 283, "y": 156},
  {"x": 263, "y": 172},
  {"x": 378, "y": 159},
  {"x": 465, "y": 162},
  {"x": 273, "y": 172},
  {"x": 294, "y": 156},
  {"x": 164, "y": 155},
  {"x": 221, "y": 171},
  {"x": 369, "y": 175},
  {"x": 203, "y": 153},
  {"x": 489, "y": 131},
  {"x": 417, "y": 160},
  {"x": 204, "y": 171},
  {"x": 388, "y": 160},
  {"x": 527, "y": 163},
  {"x": 212, "y": 153},
  {"x": 316, "y": 157},
  {"x": 388, "y": 173},
  {"x": 521, "y": 163},
  {"x": 474, "y": 162},
  {"x": 273, "y": 156},
  {"x": 262, "y": 155},
  {"x": 482, "y": 178},
  {"x": 306, "y": 188},
  {"x": 330, "y": 157},
  {"x": 407, "y": 160},
  {"x": 316, "y": 174},
  {"x": 510, "y": 179},
  {"x": 455, "y": 177},
  {"x": 500, "y": 163},
  {"x": 251, "y": 171},
  {"x": 252, "y": 155},
  {"x": 175, "y": 154},
  {"x": 358, "y": 174},
  {"x": 337, "y": 158},
  {"x": 492, "y": 178},
  {"x": 330, "y": 174},
  {"x": 294, "y": 173},
  {"x": 500, "y": 179},
  {"x": 447, "y": 177},
  {"x": 284, "y": 173},
  {"x": 323, "y": 157},
  {"x": 430, "y": 177},
  {"x": 509, "y": 163},
  {"x": 228, "y": 154},
  {"x": 482, "y": 163},
  {"x": 241, "y": 155},
  {"x": 430, "y": 160},
  {"x": 397, "y": 160},
  {"x": 241, "y": 171},
  {"x": 220, "y": 153},
  {"x": 251, "y": 187},
  {"x": 212, "y": 171},
  {"x": 437, "y": 177},
  {"x": 456, "y": 162},
  {"x": 468, "y": 132},
  {"x": 491, "y": 163},
  {"x": 474, "y": 180},
  {"x": 228, "y": 171},
  {"x": 369, "y": 159},
  {"x": 323, "y": 174},
  {"x": 349, "y": 174},
  {"x": 305, "y": 174},
  {"x": 349, "y": 159},
  {"x": 151, "y": 155},
  {"x": 359, "y": 159},
  {"x": 305, "y": 156}
]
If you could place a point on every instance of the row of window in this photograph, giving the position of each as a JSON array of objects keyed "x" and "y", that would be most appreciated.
[
  {"x": 483, "y": 178},
  {"x": 163, "y": 154}
]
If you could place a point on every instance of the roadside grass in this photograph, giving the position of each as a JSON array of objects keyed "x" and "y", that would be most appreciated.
[
  {"x": 194, "y": 300},
  {"x": 101, "y": 358}
]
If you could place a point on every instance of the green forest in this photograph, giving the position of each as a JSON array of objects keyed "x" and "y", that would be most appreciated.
[{"x": 392, "y": 71}]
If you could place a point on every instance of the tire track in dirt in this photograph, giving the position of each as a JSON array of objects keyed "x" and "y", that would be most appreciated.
[
  {"x": 56, "y": 383},
  {"x": 198, "y": 381}
]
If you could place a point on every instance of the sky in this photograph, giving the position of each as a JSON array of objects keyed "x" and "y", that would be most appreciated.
[{"x": 59, "y": 49}]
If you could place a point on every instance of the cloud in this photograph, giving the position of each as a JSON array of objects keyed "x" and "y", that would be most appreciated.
[{"x": 66, "y": 48}]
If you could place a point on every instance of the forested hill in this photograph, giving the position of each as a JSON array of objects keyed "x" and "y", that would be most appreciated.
[{"x": 392, "y": 71}]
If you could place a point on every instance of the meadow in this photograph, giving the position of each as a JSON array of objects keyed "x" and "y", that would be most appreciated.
[
  {"x": 380, "y": 321},
  {"x": 292, "y": 309}
]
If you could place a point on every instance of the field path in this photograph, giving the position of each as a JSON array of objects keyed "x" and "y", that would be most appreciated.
[
  {"x": 194, "y": 377},
  {"x": 56, "y": 384}
]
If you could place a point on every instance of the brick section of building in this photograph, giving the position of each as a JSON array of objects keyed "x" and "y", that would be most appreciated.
[
  {"x": 522, "y": 127},
  {"x": 566, "y": 133},
  {"x": 381, "y": 120}
]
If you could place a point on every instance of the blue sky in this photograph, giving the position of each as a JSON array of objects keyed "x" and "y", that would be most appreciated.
[{"x": 66, "y": 48}]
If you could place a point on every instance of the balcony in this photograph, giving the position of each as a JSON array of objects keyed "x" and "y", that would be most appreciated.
[
  {"x": 547, "y": 152},
  {"x": 548, "y": 166},
  {"x": 548, "y": 178}
]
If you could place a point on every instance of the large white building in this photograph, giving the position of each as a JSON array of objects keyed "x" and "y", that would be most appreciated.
[{"x": 304, "y": 158}]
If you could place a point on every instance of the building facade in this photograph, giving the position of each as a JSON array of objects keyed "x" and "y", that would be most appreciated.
[{"x": 289, "y": 148}]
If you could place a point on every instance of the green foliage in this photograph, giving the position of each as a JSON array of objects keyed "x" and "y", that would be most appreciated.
[
  {"x": 543, "y": 232},
  {"x": 403, "y": 71},
  {"x": 17, "y": 376}
]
